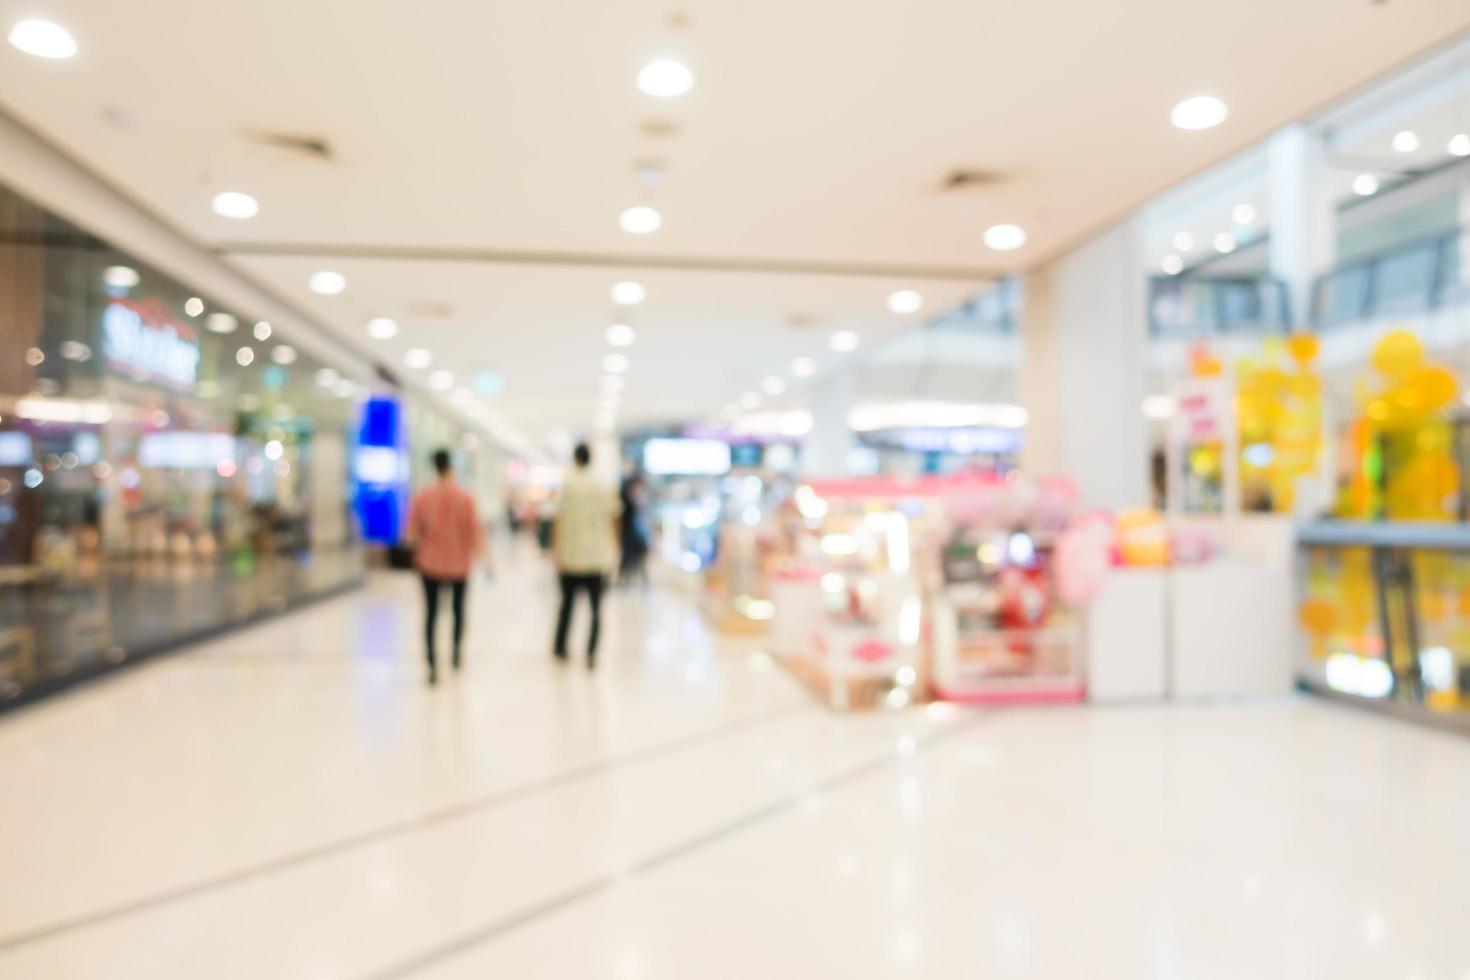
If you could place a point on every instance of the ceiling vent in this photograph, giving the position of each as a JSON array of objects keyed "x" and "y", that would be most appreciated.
[
  {"x": 804, "y": 321},
  {"x": 432, "y": 310},
  {"x": 969, "y": 180},
  {"x": 314, "y": 148},
  {"x": 659, "y": 129}
]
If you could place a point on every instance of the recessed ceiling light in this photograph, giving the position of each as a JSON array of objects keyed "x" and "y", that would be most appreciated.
[
  {"x": 382, "y": 328},
  {"x": 262, "y": 330},
  {"x": 417, "y": 358},
  {"x": 327, "y": 283},
  {"x": 803, "y": 367},
  {"x": 43, "y": 39},
  {"x": 1199, "y": 112},
  {"x": 221, "y": 323},
  {"x": 1406, "y": 141},
  {"x": 773, "y": 386},
  {"x": 121, "y": 277},
  {"x": 640, "y": 220},
  {"x": 1243, "y": 214},
  {"x": 615, "y": 363},
  {"x": 244, "y": 357},
  {"x": 1172, "y": 265},
  {"x": 193, "y": 306},
  {"x": 235, "y": 204},
  {"x": 441, "y": 380},
  {"x": 1183, "y": 241},
  {"x": 1459, "y": 145},
  {"x": 1224, "y": 243},
  {"x": 1365, "y": 185},
  {"x": 1005, "y": 238},
  {"x": 283, "y": 354},
  {"x": 621, "y": 335},
  {"x": 905, "y": 301},
  {"x": 628, "y": 293},
  {"x": 844, "y": 340},
  {"x": 665, "y": 78},
  {"x": 750, "y": 401}
]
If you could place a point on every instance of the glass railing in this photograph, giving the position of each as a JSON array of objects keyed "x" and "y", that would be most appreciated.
[
  {"x": 1185, "y": 307},
  {"x": 1414, "y": 278}
]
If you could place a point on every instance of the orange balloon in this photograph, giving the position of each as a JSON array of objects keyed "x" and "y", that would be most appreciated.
[
  {"x": 1303, "y": 347},
  {"x": 1397, "y": 353}
]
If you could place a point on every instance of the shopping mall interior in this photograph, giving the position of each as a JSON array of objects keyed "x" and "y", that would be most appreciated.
[{"x": 1010, "y": 461}]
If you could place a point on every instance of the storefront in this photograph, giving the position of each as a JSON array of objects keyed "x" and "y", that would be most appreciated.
[{"x": 167, "y": 466}]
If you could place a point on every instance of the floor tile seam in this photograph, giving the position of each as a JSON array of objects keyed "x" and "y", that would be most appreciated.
[
  {"x": 503, "y": 925},
  {"x": 331, "y": 849}
]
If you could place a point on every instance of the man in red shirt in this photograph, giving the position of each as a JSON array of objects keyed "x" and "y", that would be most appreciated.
[{"x": 446, "y": 537}]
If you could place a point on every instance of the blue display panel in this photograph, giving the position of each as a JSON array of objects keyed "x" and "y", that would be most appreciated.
[{"x": 380, "y": 471}]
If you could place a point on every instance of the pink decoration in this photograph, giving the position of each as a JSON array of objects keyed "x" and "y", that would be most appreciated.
[{"x": 1083, "y": 555}]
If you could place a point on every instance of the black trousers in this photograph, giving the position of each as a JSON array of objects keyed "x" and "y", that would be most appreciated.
[
  {"x": 431, "y": 613},
  {"x": 570, "y": 586}
]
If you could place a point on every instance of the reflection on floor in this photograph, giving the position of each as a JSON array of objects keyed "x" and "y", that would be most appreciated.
[{"x": 293, "y": 802}]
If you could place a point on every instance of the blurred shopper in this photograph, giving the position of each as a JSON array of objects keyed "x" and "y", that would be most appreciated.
[
  {"x": 447, "y": 538},
  {"x": 633, "y": 533},
  {"x": 582, "y": 539}
]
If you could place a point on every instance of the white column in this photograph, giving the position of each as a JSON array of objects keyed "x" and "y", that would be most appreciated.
[
  {"x": 1083, "y": 334},
  {"x": 1303, "y": 217},
  {"x": 830, "y": 441}
]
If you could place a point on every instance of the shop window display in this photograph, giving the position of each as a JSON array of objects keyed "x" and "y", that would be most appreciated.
[{"x": 167, "y": 466}]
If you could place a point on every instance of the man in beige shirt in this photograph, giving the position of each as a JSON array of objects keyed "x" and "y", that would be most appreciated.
[{"x": 582, "y": 542}]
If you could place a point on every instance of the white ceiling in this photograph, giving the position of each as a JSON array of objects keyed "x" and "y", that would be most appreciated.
[{"x": 817, "y": 133}]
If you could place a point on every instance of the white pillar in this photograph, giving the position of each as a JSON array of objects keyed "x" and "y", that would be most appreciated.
[
  {"x": 1303, "y": 216},
  {"x": 1083, "y": 334},
  {"x": 830, "y": 441}
]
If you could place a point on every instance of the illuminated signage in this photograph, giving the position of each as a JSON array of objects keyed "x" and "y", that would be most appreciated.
[
  {"x": 687, "y": 457},
  {"x": 144, "y": 339}
]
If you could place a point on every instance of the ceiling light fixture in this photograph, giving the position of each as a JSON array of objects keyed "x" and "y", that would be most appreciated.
[
  {"x": 640, "y": 220},
  {"x": 1406, "y": 141},
  {"x": 417, "y": 358},
  {"x": 628, "y": 293},
  {"x": 283, "y": 354},
  {"x": 244, "y": 357},
  {"x": 773, "y": 386},
  {"x": 382, "y": 328},
  {"x": 43, "y": 39},
  {"x": 1365, "y": 185},
  {"x": 193, "y": 306},
  {"x": 1172, "y": 265},
  {"x": 1183, "y": 241},
  {"x": 1005, "y": 238},
  {"x": 121, "y": 277},
  {"x": 327, "y": 283},
  {"x": 615, "y": 363},
  {"x": 844, "y": 341},
  {"x": 1224, "y": 243},
  {"x": 803, "y": 367},
  {"x": 441, "y": 380},
  {"x": 220, "y": 323},
  {"x": 621, "y": 335},
  {"x": 262, "y": 330},
  {"x": 905, "y": 301},
  {"x": 1459, "y": 145},
  {"x": 1243, "y": 214},
  {"x": 665, "y": 78},
  {"x": 235, "y": 204},
  {"x": 1199, "y": 112}
]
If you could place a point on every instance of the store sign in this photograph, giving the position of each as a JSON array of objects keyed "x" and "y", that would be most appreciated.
[
  {"x": 686, "y": 457},
  {"x": 145, "y": 340}
]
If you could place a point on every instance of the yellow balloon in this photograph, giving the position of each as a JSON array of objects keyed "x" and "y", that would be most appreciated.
[
  {"x": 1436, "y": 385},
  {"x": 1303, "y": 348},
  {"x": 1397, "y": 353}
]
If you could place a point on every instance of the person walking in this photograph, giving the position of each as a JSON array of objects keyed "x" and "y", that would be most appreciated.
[
  {"x": 582, "y": 537},
  {"x": 446, "y": 537},
  {"x": 633, "y": 534}
]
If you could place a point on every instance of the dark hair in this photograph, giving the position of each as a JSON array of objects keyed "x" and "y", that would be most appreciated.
[
  {"x": 582, "y": 454},
  {"x": 441, "y": 461}
]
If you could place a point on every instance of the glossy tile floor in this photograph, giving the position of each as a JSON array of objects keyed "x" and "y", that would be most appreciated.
[{"x": 293, "y": 802}]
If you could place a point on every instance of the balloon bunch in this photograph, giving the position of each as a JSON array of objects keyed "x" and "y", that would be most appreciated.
[{"x": 1414, "y": 389}]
